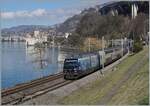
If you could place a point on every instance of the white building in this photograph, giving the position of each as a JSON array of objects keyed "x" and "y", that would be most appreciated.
[
  {"x": 36, "y": 33},
  {"x": 37, "y": 37},
  {"x": 30, "y": 40}
]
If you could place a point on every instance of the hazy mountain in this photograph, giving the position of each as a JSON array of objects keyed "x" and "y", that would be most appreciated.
[
  {"x": 117, "y": 8},
  {"x": 23, "y": 29}
]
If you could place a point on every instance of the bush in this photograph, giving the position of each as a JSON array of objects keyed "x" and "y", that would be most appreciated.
[
  {"x": 137, "y": 46},
  {"x": 144, "y": 101},
  {"x": 75, "y": 40}
]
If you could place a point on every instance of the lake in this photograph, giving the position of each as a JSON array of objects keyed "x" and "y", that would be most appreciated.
[{"x": 20, "y": 64}]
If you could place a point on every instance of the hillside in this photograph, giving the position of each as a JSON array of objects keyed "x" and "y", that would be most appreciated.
[
  {"x": 127, "y": 85},
  {"x": 117, "y": 8}
]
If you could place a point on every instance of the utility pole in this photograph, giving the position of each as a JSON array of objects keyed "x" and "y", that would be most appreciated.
[
  {"x": 66, "y": 37},
  {"x": 103, "y": 49},
  {"x": 122, "y": 46},
  {"x": 149, "y": 47},
  {"x": 102, "y": 55},
  {"x": 112, "y": 42},
  {"x": 134, "y": 14},
  {"x": 113, "y": 46},
  {"x": 127, "y": 44},
  {"x": 0, "y": 21},
  {"x": 89, "y": 44},
  {"x": 53, "y": 50},
  {"x": 53, "y": 41},
  {"x": 149, "y": 39},
  {"x": 0, "y": 27}
]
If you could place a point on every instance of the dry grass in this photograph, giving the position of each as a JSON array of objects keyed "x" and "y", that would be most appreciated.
[{"x": 134, "y": 89}]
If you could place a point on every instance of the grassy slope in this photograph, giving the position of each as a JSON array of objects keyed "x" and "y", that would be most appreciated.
[
  {"x": 130, "y": 92},
  {"x": 135, "y": 89}
]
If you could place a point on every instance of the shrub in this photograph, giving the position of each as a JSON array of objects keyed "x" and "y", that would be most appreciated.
[
  {"x": 137, "y": 46},
  {"x": 144, "y": 101}
]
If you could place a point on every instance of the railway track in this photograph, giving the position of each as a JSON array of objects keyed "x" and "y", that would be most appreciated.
[{"x": 26, "y": 91}]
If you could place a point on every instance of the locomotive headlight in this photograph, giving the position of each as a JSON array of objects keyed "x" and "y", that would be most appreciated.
[{"x": 75, "y": 69}]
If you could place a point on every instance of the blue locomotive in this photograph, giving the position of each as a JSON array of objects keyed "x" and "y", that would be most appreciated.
[
  {"x": 80, "y": 66},
  {"x": 84, "y": 64}
]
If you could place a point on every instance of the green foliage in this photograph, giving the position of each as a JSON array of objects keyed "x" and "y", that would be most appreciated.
[
  {"x": 144, "y": 101},
  {"x": 39, "y": 45},
  {"x": 88, "y": 24},
  {"x": 60, "y": 41},
  {"x": 92, "y": 24},
  {"x": 137, "y": 46},
  {"x": 75, "y": 40},
  {"x": 140, "y": 25}
]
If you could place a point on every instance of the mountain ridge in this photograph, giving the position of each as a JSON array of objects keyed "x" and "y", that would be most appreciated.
[{"x": 70, "y": 24}]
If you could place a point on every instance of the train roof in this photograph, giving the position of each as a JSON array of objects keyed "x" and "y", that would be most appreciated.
[{"x": 82, "y": 55}]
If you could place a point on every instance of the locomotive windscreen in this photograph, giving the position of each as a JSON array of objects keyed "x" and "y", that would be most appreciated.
[{"x": 69, "y": 64}]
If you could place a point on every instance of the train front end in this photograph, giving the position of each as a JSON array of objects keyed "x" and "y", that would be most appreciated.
[{"x": 71, "y": 69}]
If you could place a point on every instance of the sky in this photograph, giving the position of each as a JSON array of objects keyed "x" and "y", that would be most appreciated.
[{"x": 41, "y": 12}]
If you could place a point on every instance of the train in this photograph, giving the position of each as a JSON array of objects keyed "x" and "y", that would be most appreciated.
[{"x": 83, "y": 64}]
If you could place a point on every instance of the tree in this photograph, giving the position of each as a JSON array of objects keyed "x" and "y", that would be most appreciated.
[
  {"x": 92, "y": 24},
  {"x": 139, "y": 27},
  {"x": 75, "y": 40},
  {"x": 88, "y": 24}
]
